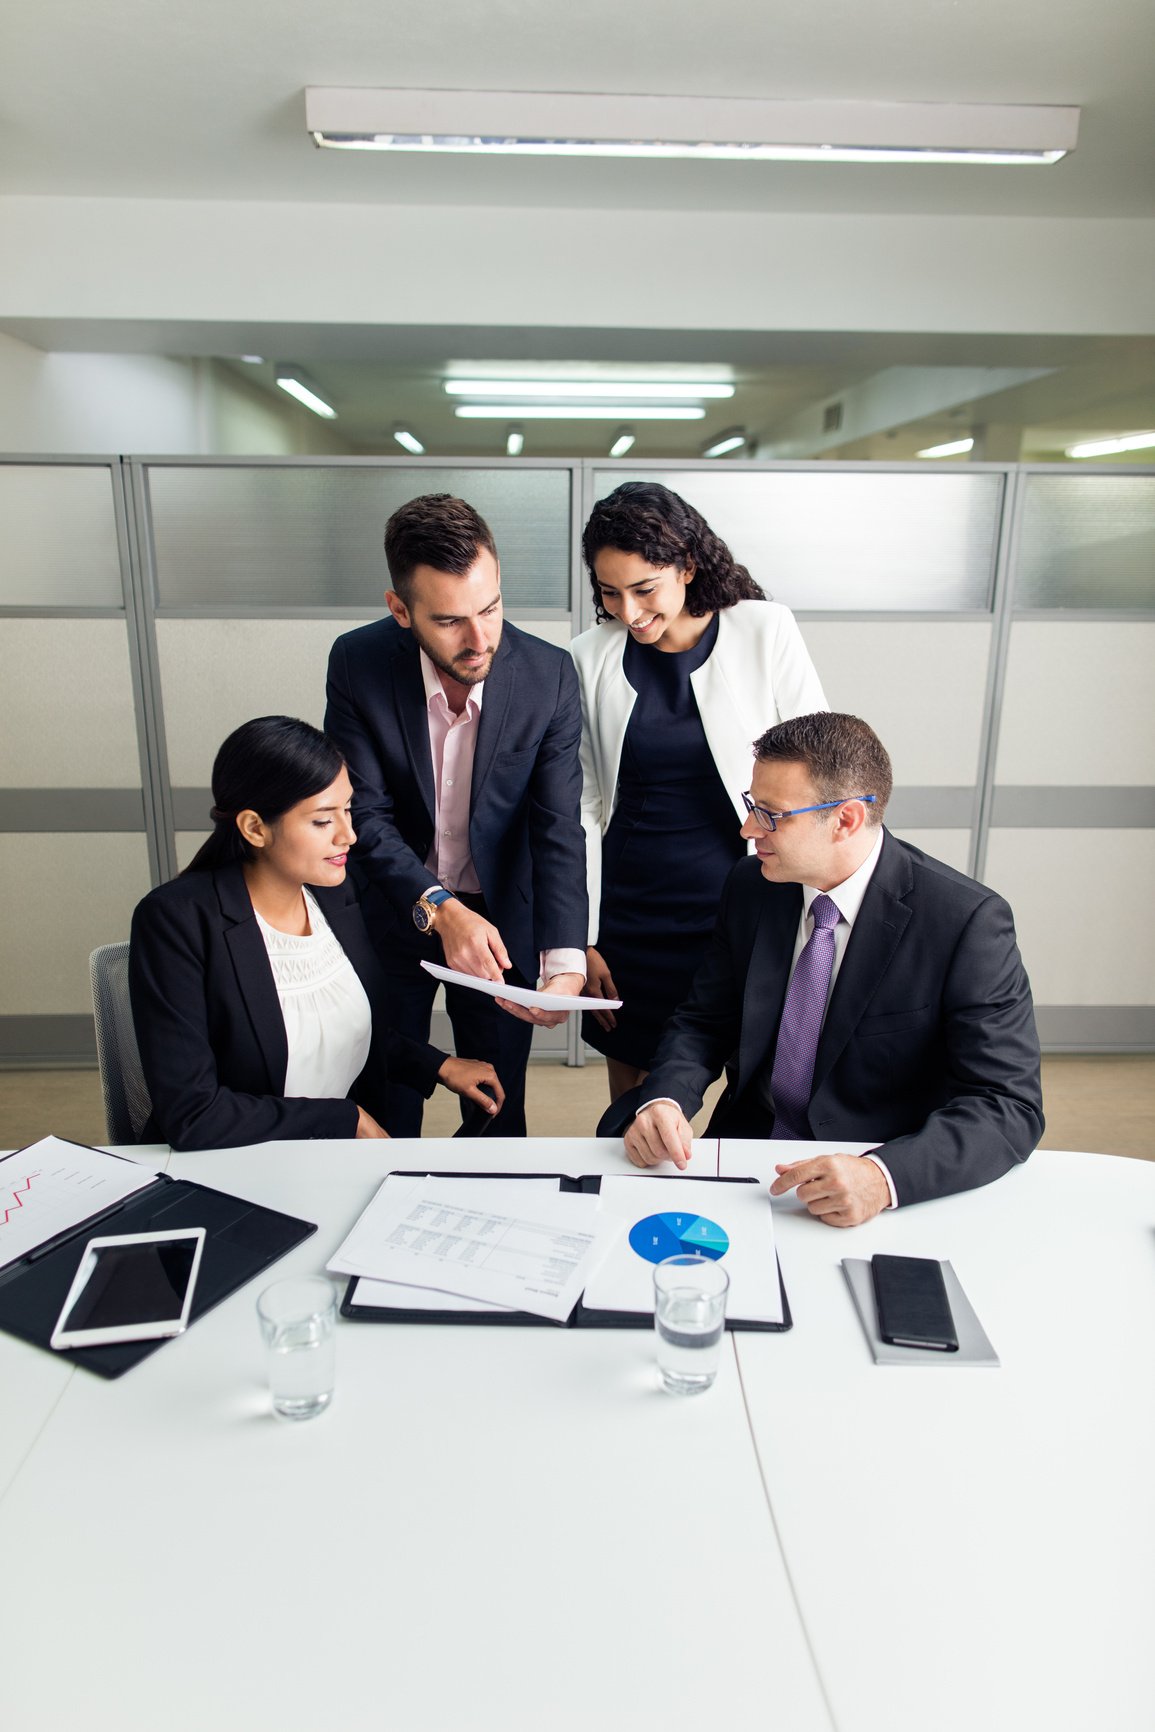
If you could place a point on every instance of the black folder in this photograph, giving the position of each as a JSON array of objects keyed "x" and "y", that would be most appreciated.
[
  {"x": 579, "y": 1317},
  {"x": 241, "y": 1239}
]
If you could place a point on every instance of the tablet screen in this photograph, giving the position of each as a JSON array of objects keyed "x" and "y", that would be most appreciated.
[{"x": 133, "y": 1284}]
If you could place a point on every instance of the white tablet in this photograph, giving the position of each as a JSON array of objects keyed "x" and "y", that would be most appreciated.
[{"x": 137, "y": 1287}]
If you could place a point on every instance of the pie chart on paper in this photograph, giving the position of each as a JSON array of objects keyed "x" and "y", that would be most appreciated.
[{"x": 670, "y": 1235}]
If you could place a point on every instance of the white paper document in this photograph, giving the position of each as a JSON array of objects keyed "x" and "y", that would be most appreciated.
[
  {"x": 489, "y": 1239},
  {"x": 520, "y": 994},
  {"x": 659, "y": 1218},
  {"x": 53, "y": 1185}
]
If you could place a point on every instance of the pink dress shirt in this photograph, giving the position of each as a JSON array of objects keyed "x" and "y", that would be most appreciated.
[{"x": 452, "y": 747}]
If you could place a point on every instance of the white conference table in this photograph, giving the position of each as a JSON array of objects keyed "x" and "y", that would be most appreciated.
[{"x": 508, "y": 1528}]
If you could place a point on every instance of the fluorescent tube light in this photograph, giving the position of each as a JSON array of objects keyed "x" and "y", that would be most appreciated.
[
  {"x": 298, "y": 384},
  {"x": 514, "y": 441},
  {"x": 955, "y": 448},
  {"x": 542, "y": 123},
  {"x": 730, "y": 440},
  {"x": 409, "y": 441},
  {"x": 1110, "y": 447},
  {"x": 681, "y": 390},
  {"x": 623, "y": 443},
  {"x": 577, "y": 412}
]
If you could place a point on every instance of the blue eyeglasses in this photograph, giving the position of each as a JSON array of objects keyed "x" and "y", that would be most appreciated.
[{"x": 769, "y": 820}]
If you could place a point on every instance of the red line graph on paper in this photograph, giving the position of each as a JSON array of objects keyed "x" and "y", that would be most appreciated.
[{"x": 17, "y": 1199}]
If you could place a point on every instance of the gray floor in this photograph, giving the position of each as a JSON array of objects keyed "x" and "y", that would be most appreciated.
[{"x": 1106, "y": 1104}]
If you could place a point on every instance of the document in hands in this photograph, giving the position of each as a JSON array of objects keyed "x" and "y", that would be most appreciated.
[
  {"x": 492, "y": 1240},
  {"x": 520, "y": 994}
]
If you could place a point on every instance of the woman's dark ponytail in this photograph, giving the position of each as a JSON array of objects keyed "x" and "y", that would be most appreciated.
[{"x": 266, "y": 766}]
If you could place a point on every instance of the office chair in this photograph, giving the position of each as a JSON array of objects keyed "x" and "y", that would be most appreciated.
[{"x": 127, "y": 1103}]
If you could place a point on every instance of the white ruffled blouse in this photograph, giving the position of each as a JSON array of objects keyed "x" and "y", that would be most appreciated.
[{"x": 328, "y": 1022}]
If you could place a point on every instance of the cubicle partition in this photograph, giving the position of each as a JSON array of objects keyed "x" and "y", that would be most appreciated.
[{"x": 994, "y": 622}]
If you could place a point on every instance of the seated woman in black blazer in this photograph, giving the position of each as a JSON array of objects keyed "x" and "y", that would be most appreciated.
[{"x": 257, "y": 998}]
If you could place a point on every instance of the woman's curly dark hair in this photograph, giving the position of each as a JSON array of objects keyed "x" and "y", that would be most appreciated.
[{"x": 645, "y": 517}]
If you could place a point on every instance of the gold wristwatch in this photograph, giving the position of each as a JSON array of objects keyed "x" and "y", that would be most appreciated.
[{"x": 425, "y": 908}]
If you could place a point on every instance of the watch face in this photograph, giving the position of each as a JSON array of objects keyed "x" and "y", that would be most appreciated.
[{"x": 422, "y": 917}]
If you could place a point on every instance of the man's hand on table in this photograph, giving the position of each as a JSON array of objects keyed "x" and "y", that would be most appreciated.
[
  {"x": 660, "y": 1133},
  {"x": 842, "y": 1190}
]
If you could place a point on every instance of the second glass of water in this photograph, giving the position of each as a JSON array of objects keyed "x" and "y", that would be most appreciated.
[
  {"x": 689, "y": 1318},
  {"x": 298, "y": 1322}
]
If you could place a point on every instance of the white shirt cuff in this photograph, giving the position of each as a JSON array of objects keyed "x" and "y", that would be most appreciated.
[
  {"x": 885, "y": 1171},
  {"x": 562, "y": 962},
  {"x": 660, "y": 1100}
]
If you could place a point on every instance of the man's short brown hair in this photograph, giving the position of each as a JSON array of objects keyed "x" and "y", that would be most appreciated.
[
  {"x": 843, "y": 755},
  {"x": 436, "y": 529}
]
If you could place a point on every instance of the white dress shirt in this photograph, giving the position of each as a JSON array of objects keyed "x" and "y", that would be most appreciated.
[
  {"x": 328, "y": 1020},
  {"x": 453, "y": 747}
]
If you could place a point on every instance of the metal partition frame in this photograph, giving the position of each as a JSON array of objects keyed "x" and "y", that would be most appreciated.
[{"x": 135, "y": 540}]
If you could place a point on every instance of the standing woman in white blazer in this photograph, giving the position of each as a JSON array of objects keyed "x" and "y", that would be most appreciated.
[{"x": 686, "y": 667}]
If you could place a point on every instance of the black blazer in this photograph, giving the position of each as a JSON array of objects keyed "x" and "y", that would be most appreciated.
[
  {"x": 929, "y": 1044},
  {"x": 525, "y": 832},
  {"x": 209, "y": 1024}
]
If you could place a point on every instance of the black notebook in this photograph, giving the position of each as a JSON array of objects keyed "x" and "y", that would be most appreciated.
[
  {"x": 37, "y": 1184},
  {"x": 660, "y": 1227}
]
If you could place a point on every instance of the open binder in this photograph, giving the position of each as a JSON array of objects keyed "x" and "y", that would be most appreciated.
[
  {"x": 360, "y": 1308},
  {"x": 241, "y": 1239}
]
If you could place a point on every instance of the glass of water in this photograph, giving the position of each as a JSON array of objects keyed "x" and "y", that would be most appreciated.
[
  {"x": 298, "y": 1322},
  {"x": 689, "y": 1317}
]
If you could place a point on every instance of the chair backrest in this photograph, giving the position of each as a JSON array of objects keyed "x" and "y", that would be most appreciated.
[{"x": 127, "y": 1103}]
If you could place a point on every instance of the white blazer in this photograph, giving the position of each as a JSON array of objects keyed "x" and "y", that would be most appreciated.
[{"x": 759, "y": 673}]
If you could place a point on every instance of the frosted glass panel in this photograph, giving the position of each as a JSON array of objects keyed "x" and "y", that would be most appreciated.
[
  {"x": 921, "y": 684},
  {"x": 312, "y": 537},
  {"x": 216, "y": 674},
  {"x": 66, "y": 706},
  {"x": 86, "y": 888},
  {"x": 1079, "y": 705},
  {"x": 849, "y": 540},
  {"x": 1087, "y": 541},
  {"x": 58, "y": 536}
]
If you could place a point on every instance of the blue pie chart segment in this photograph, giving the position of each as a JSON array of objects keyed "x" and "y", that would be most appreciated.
[{"x": 670, "y": 1235}]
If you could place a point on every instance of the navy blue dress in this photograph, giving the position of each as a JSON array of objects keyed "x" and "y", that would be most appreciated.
[{"x": 670, "y": 846}]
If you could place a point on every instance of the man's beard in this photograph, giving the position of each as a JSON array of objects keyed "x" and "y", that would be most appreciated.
[{"x": 465, "y": 673}]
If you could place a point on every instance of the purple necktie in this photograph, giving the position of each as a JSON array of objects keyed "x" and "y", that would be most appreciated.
[{"x": 801, "y": 1025}]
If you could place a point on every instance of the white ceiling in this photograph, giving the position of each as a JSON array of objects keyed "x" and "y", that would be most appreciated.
[
  {"x": 142, "y": 98},
  {"x": 145, "y": 99}
]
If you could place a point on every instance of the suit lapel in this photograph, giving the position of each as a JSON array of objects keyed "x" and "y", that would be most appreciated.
[
  {"x": 770, "y": 957},
  {"x": 254, "y": 974},
  {"x": 413, "y": 714},
  {"x": 878, "y": 930},
  {"x": 494, "y": 707}
]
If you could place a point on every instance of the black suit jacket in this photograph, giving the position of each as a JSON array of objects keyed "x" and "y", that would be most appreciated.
[
  {"x": 929, "y": 1044},
  {"x": 209, "y": 1023},
  {"x": 525, "y": 831}
]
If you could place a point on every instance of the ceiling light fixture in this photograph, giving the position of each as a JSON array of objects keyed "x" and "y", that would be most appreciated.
[
  {"x": 1110, "y": 447},
  {"x": 682, "y": 390},
  {"x": 730, "y": 440},
  {"x": 408, "y": 441},
  {"x": 954, "y": 448},
  {"x": 514, "y": 440},
  {"x": 543, "y": 123},
  {"x": 624, "y": 442},
  {"x": 298, "y": 384},
  {"x": 578, "y": 412}
]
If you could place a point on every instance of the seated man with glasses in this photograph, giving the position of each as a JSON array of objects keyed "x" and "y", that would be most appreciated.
[{"x": 854, "y": 989}]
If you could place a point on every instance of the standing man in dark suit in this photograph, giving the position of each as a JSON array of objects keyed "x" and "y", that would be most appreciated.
[
  {"x": 855, "y": 988},
  {"x": 461, "y": 737}
]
